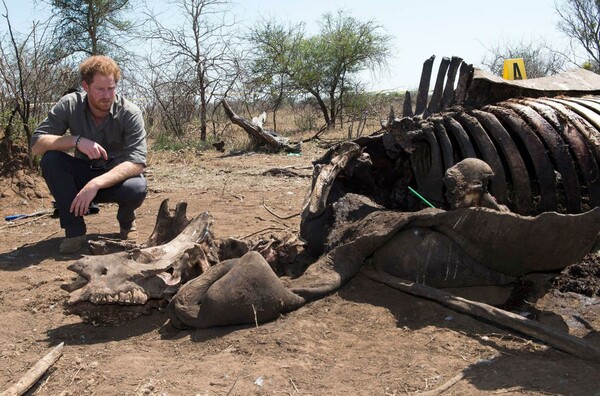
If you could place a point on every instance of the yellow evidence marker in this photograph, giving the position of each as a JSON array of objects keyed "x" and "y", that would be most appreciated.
[{"x": 514, "y": 69}]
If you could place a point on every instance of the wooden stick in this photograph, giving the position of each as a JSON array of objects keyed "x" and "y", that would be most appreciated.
[
  {"x": 278, "y": 216},
  {"x": 447, "y": 385},
  {"x": 35, "y": 373},
  {"x": 28, "y": 221},
  {"x": 263, "y": 230},
  {"x": 564, "y": 342},
  {"x": 450, "y": 383}
]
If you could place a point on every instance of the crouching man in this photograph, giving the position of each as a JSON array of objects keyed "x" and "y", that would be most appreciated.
[{"x": 107, "y": 134}]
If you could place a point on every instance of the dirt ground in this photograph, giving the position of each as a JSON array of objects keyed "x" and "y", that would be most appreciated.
[{"x": 366, "y": 339}]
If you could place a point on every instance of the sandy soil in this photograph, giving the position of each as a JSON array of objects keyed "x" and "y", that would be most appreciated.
[{"x": 366, "y": 339}]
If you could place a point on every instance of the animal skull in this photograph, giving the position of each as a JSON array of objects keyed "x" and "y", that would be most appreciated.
[{"x": 467, "y": 185}]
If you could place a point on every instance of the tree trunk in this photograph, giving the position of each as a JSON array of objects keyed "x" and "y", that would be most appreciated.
[
  {"x": 341, "y": 111},
  {"x": 277, "y": 105},
  {"x": 332, "y": 109},
  {"x": 203, "y": 114},
  {"x": 322, "y": 106},
  {"x": 7, "y": 140},
  {"x": 29, "y": 153},
  {"x": 203, "y": 86},
  {"x": 28, "y": 133}
]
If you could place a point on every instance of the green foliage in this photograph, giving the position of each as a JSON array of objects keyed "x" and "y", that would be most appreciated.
[
  {"x": 268, "y": 80},
  {"x": 305, "y": 119},
  {"x": 4, "y": 117},
  {"x": 322, "y": 65},
  {"x": 90, "y": 27},
  {"x": 275, "y": 51},
  {"x": 590, "y": 65},
  {"x": 358, "y": 102},
  {"x": 167, "y": 141},
  {"x": 349, "y": 46}
]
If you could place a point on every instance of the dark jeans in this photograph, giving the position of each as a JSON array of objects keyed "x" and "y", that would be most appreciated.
[{"x": 65, "y": 175}]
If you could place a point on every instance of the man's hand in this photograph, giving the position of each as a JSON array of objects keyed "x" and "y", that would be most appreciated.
[
  {"x": 86, "y": 195},
  {"x": 83, "y": 199},
  {"x": 92, "y": 149}
]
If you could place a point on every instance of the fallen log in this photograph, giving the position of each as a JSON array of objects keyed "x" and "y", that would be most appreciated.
[
  {"x": 258, "y": 135},
  {"x": 35, "y": 373},
  {"x": 564, "y": 342}
]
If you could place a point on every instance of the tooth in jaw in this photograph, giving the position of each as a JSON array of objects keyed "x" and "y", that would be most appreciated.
[
  {"x": 126, "y": 298},
  {"x": 112, "y": 298},
  {"x": 129, "y": 297},
  {"x": 139, "y": 297}
]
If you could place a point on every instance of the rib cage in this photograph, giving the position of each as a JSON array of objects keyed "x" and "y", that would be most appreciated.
[{"x": 545, "y": 151}]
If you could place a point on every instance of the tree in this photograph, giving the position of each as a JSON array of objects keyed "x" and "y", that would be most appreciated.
[
  {"x": 197, "y": 54},
  {"x": 271, "y": 61},
  {"x": 323, "y": 65},
  {"x": 91, "y": 27},
  {"x": 539, "y": 59},
  {"x": 29, "y": 76},
  {"x": 580, "y": 21},
  {"x": 174, "y": 99}
]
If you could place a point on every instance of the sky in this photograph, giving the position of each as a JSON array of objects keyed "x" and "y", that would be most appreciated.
[{"x": 419, "y": 28}]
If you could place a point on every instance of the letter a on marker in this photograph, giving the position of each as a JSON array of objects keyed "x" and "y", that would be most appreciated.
[
  {"x": 514, "y": 69},
  {"x": 517, "y": 72}
]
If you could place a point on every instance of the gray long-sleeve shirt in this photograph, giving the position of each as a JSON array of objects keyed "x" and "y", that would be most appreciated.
[{"x": 122, "y": 133}]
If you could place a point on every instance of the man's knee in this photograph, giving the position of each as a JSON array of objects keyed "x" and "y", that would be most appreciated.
[
  {"x": 51, "y": 159},
  {"x": 56, "y": 166},
  {"x": 134, "y": 190}
]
